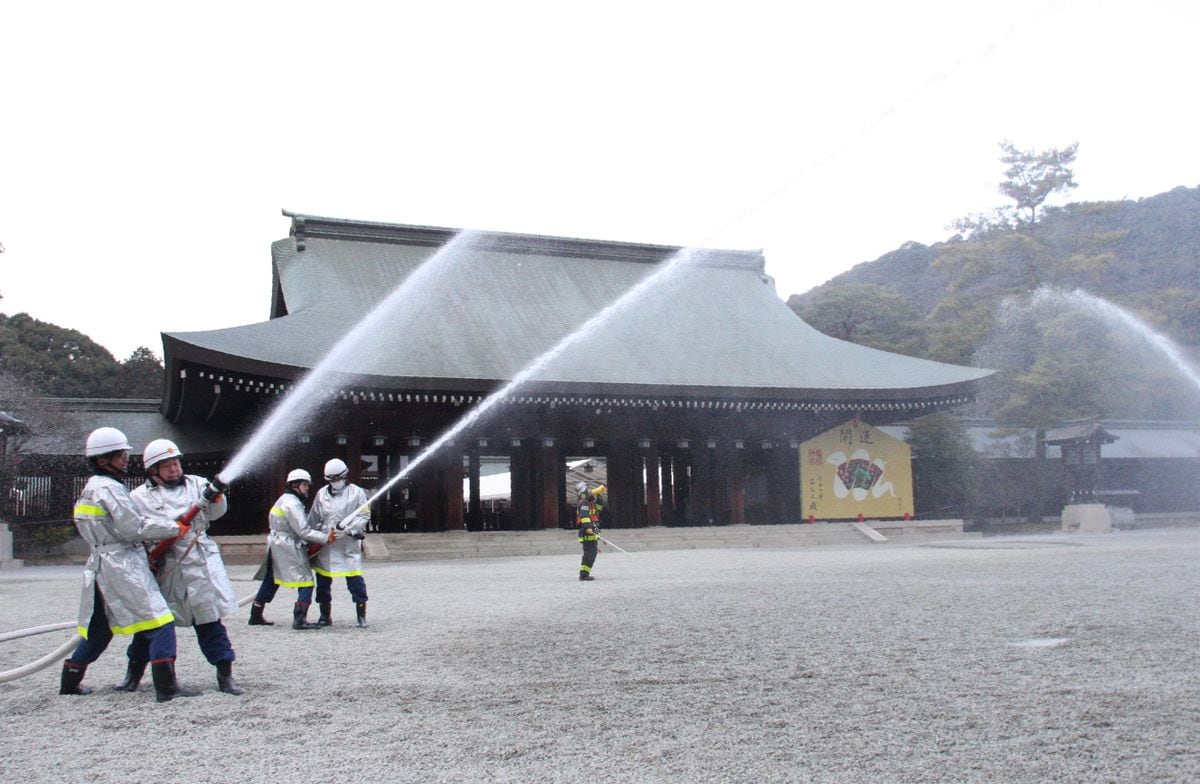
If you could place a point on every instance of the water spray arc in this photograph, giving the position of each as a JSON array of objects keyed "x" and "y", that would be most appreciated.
[
  {"x": 290, "y": 412},
  {"x": 586, "y": 330},
  {"x": 1161, "y": 343}
]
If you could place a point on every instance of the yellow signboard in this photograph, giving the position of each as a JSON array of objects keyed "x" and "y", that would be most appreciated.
[{"x": 855, "y": 469}]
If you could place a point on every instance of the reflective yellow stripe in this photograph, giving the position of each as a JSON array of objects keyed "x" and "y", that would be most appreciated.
[
  {"x": 89, "y": 510},
  {"x": 584, "y": 568},
  {"x": 81, "y": 631},
  {"x": 324, "y": 573},
  {"x": 303, "y": 584},
  {"x": 275, "y": 510},
  {"x": 142, "y": 626}
]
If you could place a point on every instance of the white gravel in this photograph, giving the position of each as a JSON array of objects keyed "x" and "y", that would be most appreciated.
[{"x": 1039, "y": 659}]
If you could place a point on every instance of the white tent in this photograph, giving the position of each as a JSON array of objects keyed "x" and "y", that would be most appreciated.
[{"x": 498, "y": 487}]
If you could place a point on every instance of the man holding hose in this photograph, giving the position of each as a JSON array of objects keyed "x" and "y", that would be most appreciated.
[
  {"x": 341, "y": 504},
  {"x": 191, "y": 573},
  {"x": 287, "y": 561}
]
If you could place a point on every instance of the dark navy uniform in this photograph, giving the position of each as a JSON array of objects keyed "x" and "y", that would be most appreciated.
[{"x": 589, "y": 534}]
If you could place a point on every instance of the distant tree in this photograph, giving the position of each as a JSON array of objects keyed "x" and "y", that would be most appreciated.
[
  {"x": 980, "y": 224},
  {"x": 55, "y": 361},
  {"x": 943, "y": 466},
  {"x": 28, "y": 421},
  {"x": 1032, "y": 177},
  {"x": 957, "y": 325},
  {"x": 141, "y": 375},
  {"x": 864, "y": 313}
]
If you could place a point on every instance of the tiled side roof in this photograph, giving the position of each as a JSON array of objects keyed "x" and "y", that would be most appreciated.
[{"x": 139, "y": 419}]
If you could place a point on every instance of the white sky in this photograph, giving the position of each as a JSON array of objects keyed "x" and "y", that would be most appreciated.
[{"x": 146, "y": 150}]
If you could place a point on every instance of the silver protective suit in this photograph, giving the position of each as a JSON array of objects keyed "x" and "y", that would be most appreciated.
[
  {"x": 107, "y": 520},
  {"x": 288, "y": 542},
  {"x": 192, "y": 575},
  {"x": 342, "y": 558}
]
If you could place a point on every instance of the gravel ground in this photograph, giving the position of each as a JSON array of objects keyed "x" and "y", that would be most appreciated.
[{"x": 1033, "y": 659}]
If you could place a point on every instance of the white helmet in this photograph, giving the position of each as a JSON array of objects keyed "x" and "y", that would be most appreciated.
[
  {"x": 335, "y": 469},
  {"x": 581, "y": 488},
  {"x": 104, "y": 440},
  {"x": 158, "y": 450},
  {"x": 299, "y": 475}
]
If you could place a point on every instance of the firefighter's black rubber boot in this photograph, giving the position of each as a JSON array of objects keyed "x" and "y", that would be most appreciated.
[
  {"x": 72, "y": 677},
  {"x": 133, "y": 676},
  {"x": 299, "y": 621},
  {"x": 256, "y": 615},
  {"x": 166, "y": 687},
  {"x": 225, "y": 681}
]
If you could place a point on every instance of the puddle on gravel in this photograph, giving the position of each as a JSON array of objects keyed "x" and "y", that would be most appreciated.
[
  {"x": 1040, "y": 642},
  {"x": 1015, "y": 544}
]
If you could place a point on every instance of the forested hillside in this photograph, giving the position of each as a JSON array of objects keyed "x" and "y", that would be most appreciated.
[
  {"x": 47, "y": 359},
  {"x": 1020, "y": 299}
]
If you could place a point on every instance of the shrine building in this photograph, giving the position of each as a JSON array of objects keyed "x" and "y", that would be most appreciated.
[{"x": 686, "y": 376}]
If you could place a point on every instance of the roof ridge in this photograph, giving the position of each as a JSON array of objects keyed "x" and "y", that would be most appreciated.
[{"x": 305, "y": 227}]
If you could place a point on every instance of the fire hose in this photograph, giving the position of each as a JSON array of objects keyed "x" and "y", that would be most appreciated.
[
  {"x": 59, "y": 653},
  {"x": 45, "y": 661},
  {"x": 615, "y": 547},
  {"x": 211, "y": 492}
]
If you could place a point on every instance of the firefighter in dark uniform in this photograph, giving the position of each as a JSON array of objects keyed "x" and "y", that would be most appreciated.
[{"x": 589, "y": 530}]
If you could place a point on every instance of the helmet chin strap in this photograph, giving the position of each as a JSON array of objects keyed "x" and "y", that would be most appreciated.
[
  {"x": 108, "y": 469},
  {"x": 158, "y": 479}
]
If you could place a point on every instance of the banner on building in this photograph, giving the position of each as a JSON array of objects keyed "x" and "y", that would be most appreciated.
[{"x": 855, "y": 469}]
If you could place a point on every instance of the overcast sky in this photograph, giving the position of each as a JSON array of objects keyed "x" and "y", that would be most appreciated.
[{"x": 146, "y": 151}]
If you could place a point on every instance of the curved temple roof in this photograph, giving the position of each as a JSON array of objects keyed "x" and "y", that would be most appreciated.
[{"x": 478, "y": 315}]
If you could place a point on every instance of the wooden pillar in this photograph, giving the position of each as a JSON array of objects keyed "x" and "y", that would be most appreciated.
[
  {"x": 638, "y": 488},
  {"x": 475, "y": 509},
  {"x": 703, "y": 477},
  {"x": 737, "y": 489},
  {"x": 353, "y": 460},
  {"x": 719, "y": 484},
  {"x": 549, "y": 487},
  {"x": 622, "y": 498},
  {"x": 667, "y": 463},
  {"x": 520, "y": 470},
  {"x": 780, "y": 506},
  {"x": 653, "y": 499},
  {"x": 566, "y": 511},
  {"x": 427, "y": 488},
  {"x": 683, "y": 490},
  {"x": 452, "y": 474},
  {"x": 305, "y": 455},
  {"x": 402, "y": 497}
]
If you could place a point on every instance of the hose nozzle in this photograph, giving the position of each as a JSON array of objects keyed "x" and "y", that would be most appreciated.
[{"x": 214, "y": 489}]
